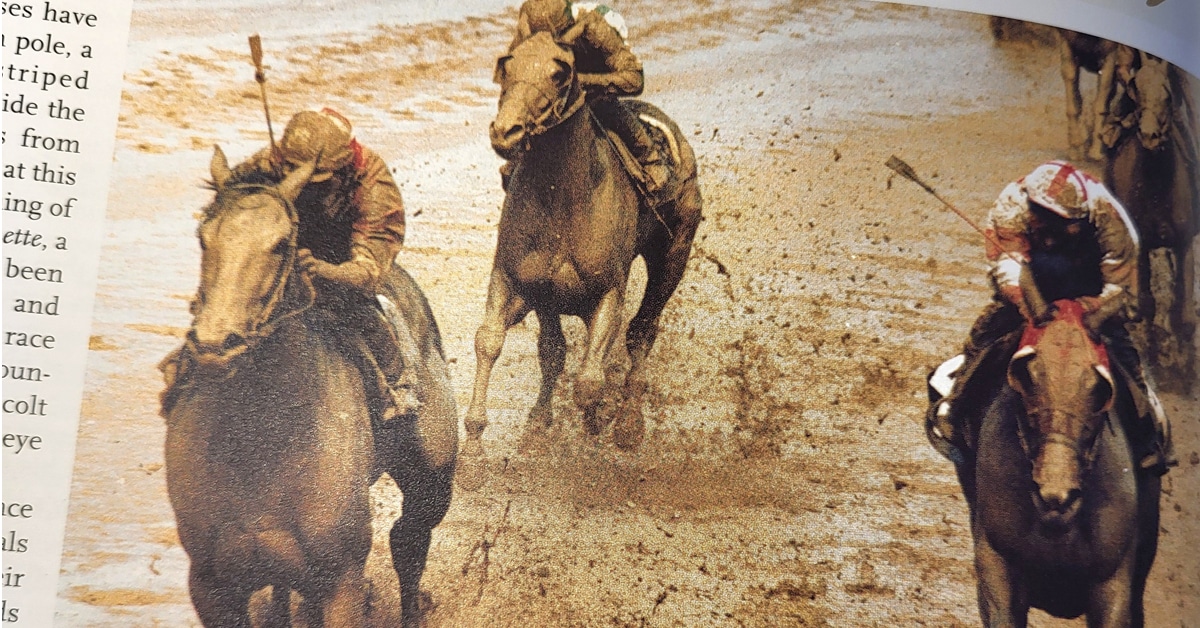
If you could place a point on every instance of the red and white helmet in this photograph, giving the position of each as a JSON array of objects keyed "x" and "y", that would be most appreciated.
[{"x": 1059, "y": 187}]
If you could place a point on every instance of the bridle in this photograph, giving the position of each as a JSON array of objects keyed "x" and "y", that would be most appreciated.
[
  {"x": 267, "y": 320},
  {"x": 564, "y": 104}
]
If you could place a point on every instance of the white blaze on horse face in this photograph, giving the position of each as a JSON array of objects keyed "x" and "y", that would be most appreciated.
[{"x": 239, "y": 266}]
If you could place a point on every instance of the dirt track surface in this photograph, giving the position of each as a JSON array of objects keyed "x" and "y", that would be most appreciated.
[{"x": 785, "y": 478}]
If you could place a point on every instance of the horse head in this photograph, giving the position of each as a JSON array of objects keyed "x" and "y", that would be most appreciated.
[
  {"x": 1064, "y": 382},
  {"x": 248, "y": 253},
  {"x": 538, "y": 90},
  {"x": 1151, "y": 91}
]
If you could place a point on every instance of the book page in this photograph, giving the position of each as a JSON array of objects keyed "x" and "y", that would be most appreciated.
[
  {"x": 189, "y": 430},
  {"x": 62, "y": 84}
]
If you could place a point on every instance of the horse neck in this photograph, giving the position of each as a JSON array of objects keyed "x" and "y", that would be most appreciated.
[{"x": 563, "y": 156}]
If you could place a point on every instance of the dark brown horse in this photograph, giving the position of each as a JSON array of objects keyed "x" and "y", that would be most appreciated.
[
  {"x": 572, "y": 224},
  {"x": 1153, "y": 170},
  {"x": 1061, "y": 519},
  {"x": 271, "y": 446}
]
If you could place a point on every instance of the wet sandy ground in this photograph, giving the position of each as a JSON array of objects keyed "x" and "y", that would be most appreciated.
[{"x": 785, "y": 478}]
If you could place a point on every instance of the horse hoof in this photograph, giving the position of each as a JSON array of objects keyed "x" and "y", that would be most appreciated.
[
  {"x": 541, "y": 417},
  {"x": 630, "y": 429},
  {"x": 588, "y": 392},
  {"x": 472, "y": 467},
  {"x": 593, "y": 422}
]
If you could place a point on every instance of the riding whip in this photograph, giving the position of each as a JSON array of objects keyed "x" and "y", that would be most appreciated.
[
  {"x": 261, "y": 77},
  {"x": 906, "y": 171}
]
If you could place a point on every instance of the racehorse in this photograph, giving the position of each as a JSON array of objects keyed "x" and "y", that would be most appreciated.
[
  {"x": 271, "y": 445},
  {"x": 572, "y": 224},
  {"x": 1059, "y": 520},
  {"x": 1077, "y": 52},
  {"x": 1152, "y": 170}
]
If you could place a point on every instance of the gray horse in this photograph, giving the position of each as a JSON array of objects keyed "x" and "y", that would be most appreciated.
[
  {"x": 1060, "y": 521},
  {"x": 1152, "y": 169},
  {"x": 271, "y": 445},
  {"x": 572, "y": 224}
]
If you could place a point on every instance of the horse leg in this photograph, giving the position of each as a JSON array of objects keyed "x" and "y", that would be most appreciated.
[
  {"x": 1003, "y": 601},
  {"x": 218, "y": 604},
  {"x": 1110, "y": 603},
  {"x": 666, "y": 260},
  {"x": 279, "y": 613},
  {"x": 504, "y": 309},
  {"x": 603, "y": 325},
  {"x": 1104, "y": 89},
  {"x": 1076, "y": 131},
  {"x": 346, "y": 604},
  {"x": 552, "y": 354},
  {"x": 426, "y": 500}
]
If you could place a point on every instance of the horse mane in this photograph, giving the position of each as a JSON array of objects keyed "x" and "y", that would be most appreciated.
[{"x": 238, "y": 185}]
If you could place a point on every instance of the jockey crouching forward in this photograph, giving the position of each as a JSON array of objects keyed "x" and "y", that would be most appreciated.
[
  {"x": 1065, "y": 229},
  {"x": 607, "y": 70},
  {"x": 351, "y": 226}
]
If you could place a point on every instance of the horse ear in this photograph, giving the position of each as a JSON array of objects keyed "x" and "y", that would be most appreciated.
[
  {"x": 218, "y": 167},
  {"x": 498, "y": 73},
  {"x": 292, "y": 185},
  {"x": 1018, "y": 371}
]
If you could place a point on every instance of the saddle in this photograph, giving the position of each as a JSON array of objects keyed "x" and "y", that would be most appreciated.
[
  {"x": 957, "y": 386},
  {"x": 664, "y": 139}
]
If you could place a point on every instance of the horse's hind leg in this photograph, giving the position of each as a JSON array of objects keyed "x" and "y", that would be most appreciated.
[
  {"x": 666, "y": 256},
  {"x": 426, "y": 500},
  {"x": 552, "y": 354}
]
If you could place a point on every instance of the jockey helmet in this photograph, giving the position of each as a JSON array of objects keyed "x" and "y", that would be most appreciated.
[
  {"x": 552, "y": 16},
  {"x": 310, "y": 135},
  {"x": 1059, "y": 187}
]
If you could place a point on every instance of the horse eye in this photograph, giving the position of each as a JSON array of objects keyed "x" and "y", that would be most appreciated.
[{"x": 280, "y": 248}]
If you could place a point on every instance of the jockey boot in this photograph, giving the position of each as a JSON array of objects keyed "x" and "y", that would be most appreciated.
[
  {"x": 622, "y": 121},
  {"x": 386, "y": 348},
  {"x": 1151, "y": 441},
  {"x": 1159, "y": 454}
]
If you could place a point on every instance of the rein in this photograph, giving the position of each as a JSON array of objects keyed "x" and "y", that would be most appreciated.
[
  {"x": 266, "y": 322},
  {"x": 564, "y": 107}
]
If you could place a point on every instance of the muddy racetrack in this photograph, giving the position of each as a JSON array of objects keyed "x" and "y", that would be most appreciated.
[{"x": 785, "y": 478}]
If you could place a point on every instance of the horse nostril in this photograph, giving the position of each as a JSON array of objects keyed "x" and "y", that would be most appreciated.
[
  {"x": 232, "y": 341},
  {"x": 1059, "y": 499}
]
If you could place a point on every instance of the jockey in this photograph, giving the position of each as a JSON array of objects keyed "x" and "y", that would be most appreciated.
[
  {"x": 1077, "y": 243},
  {"x": 351, "y": 226},
  {"x": 607, "y": 69}
]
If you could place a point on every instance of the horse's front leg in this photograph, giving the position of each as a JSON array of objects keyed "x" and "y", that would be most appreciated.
[
  {"x": 1105, "y": 85},
  {"x": 602, "y": 331},
  {"x": 1003, "y": 600},
  {"x": 504, "y": 309},
  {"x": 218, "y": 602},
  {"x": 1076, "y": 130},
  {"x": 1110, "y": 603}
]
